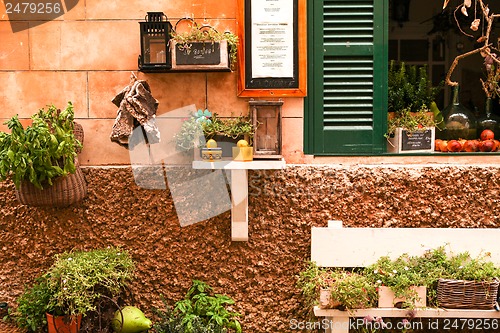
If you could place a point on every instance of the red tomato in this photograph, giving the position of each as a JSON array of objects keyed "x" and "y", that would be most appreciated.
[{"x": 487, "y": 135}]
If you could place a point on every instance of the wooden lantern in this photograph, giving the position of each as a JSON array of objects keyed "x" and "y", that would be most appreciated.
[{"x": 266, "y": 117}]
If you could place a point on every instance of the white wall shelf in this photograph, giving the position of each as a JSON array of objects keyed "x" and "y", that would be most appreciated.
[{"x": 239, "y": 188}]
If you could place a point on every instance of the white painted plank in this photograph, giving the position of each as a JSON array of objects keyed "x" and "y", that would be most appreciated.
[
  {"x": 229, "y": 164},
  {"x": 239, "y": 207},
  {"x": 401, "y": 313},
  {"x": 359, "y": 247}
]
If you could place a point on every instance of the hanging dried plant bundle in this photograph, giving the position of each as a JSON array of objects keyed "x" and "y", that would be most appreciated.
[{"x": 487, "y": 51}]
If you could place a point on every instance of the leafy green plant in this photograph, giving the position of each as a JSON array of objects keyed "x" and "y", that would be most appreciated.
[
  {"x": 464, "y": 267},
  {"x": 399, "y": 274},
  {"x": 409, "y": 88},
  {"x": 230, "y": 127},
  {"x": 73, "y": 285},
  {"x": 42, "y": 151},
  {"x": 77, "y": 279},
  {"x": 204, "y": 125},
  {"x": 200, "y": 311},
  {"x": 350, "y": 288},
  {"x": 410, "y": 97},
  {"x": 418, "y": 121},
  {"x": 353, "y": 289},
  {"x": 184, "y": 40},
  {"x": 32, "y": 306},
  {"x": 309, "y": 281}
]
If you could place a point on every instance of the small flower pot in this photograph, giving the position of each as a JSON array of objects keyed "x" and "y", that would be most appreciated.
[
  {"x": 63, "y": 324},
  {"x": 326, "y": 301},
  {"x": 387, "y": 299}
]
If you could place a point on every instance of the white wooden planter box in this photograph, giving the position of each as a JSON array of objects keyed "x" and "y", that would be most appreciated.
[
  {"x": 387, "y": 299},
  {"x": 421, "y": 141}
]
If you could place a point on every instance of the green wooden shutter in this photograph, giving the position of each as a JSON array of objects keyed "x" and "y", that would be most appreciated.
[{"x": 346, "y": 108}]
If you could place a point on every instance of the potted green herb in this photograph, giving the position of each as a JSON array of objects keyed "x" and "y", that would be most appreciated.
[
  {"x": 200, "y": 311},
  {"x": 413, "y": 114},
  {"x": 336, "y": 288},
  {"x": 73, "y": 286},
  {"x": 204, "y": 125},
  {"x": 41, "y": 159},
  {"x": 399, "y": 281},
  {"x": 352, "y": 289},
  {"x": 314, "y": 282}
]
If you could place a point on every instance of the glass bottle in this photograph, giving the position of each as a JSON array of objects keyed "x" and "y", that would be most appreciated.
[
  {"x": 460, "y": 121},
  {"x": 489, "y": 121}
]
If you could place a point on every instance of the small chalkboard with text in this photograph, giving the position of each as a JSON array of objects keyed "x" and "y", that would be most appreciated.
[
  {"x": 200, "y": 56},
  {"x": 198, "y": 53},
  {"x": 417, "y": 140}
]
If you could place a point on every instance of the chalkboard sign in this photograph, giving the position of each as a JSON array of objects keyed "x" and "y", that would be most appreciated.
[
  {"x": 200, "y": 56},
  {"x": 198, "y": 53},
  {"x": 418, "y": 140},
  {"x": 272, "y": 54}
]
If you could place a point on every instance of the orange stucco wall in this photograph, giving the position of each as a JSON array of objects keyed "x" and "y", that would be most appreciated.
[{"x": 86, "y": 56}]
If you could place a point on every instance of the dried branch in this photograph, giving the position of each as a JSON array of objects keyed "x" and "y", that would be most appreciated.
[
  {"x": 455, "y": 63},
  {"x": 484, "y": 50}
]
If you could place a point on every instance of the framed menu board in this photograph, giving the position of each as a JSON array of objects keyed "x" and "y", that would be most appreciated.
[{"x": 273, "y": 48}]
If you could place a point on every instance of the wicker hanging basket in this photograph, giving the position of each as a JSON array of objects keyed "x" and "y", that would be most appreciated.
[
  {"x": 79, "y": 135},
  {"x": 461, "y": 294},
  {"x": 65, "y": 191}
]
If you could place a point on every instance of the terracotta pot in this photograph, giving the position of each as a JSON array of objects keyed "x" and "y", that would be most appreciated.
[{"x": 63, "y": 324}]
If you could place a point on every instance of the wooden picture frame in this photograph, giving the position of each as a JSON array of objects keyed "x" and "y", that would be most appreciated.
[{"x": 270, "y": 82}]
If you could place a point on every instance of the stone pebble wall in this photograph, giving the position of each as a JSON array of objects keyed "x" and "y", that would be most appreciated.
[{"x": 259, "y": 274}]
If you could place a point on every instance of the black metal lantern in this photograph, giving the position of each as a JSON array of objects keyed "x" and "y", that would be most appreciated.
[{"x": 155, "y": 35}]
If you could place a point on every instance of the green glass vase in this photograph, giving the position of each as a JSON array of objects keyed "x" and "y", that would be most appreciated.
[
  {"x": 460, "y": 121},
  {"x": 489, "y": 120}
]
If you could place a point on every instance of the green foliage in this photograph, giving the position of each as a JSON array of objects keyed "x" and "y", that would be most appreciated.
[
  {"x": 463, "y": 267},
  {"x": 409, "y": 88},
  {"x": 200, "y": 311},
  {"x": 399, "y": 274},
  {"x": 309, "y": 281},
  {"x": 351, "y": 288},
  {"x": 210, "y": 35},
  {"x": 355, "y": 288},
  {"x": 229, "y": 127},
  {"x": 32, "y": 306},
  {"x": 204, "y": 126},
  {"x": 410, "y": 122},
  {"x": 77, "y": 279},
  {"x": 73, "y": 285},
  {"x": 189, "y": 136},
  {"x": 42, "y": 151}
]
